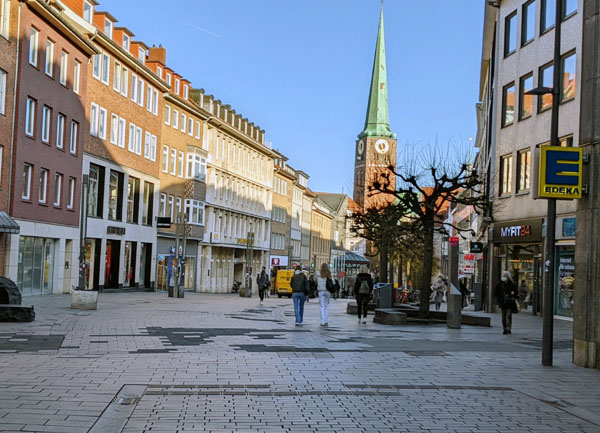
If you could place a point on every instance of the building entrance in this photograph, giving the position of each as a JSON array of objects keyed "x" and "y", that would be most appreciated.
[{"x": 111, "y": 276}]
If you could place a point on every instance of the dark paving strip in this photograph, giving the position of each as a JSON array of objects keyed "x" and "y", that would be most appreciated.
[
  {"x": 425, "y": 353},
  {"x": 254, "y": 319},
  {"x": 98, "y": 341},
  {"x": 31, "y": 343},
  {"x": 148, "y": 351}
]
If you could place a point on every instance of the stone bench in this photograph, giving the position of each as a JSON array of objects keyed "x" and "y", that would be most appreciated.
[
  {"x": 16, "y": 313},
  {"x": 389, "y": 316},
  {"x": 352, "y": 308}
]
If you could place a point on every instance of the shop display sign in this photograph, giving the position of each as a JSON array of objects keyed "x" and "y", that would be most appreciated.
[
  {"x": 518, "y": 231},
  {"x": 560, "y": 172},
  {"x": 163, "y": 222},
  {"x": 454, "y": 241},
  {"x": 476, "y": 247}
]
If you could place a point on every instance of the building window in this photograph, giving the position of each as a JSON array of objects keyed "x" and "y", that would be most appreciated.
[
  {"x": 124, "y": 81},
  {"x": 108, "y": 28},
  {"x": 96, "y": 65},
  {"x": 43, "y": 187},
  {"x": 525, "y": 101},
  {"x": 30, "y": 117},
  {"x": 114, "y": 128},
  {"x": 134, "y": 87},
  {"x": 523, "y": 167},
  {"x": 27, "y": 174},
  {"x": 148, "y": 204},
  {"x": 183, "y": 122},
  {"x": 163, "y": 205},
  {"x": 115, "y": 196},
  {"x": 46, "y": 119},
  {"x": 198, "y": 131},
  {"x": 2, "y": 91},
  {"x": 170, "y": 207},
  {"x": 180, "y": 165},
  {"x": 568, "y": 68},
  {"x": 140, "y": 93},
  {"x": 147, "y": 138},
  {"x": 546, "y": 79},
  {"x": 177, "y": 85},
  {"x": 64, "y": 64},
  {"x": 102, "y": 123},
  {"x": 58, "y": 189},
  {"x": 505, "y": 174},
  {"x": 142, "y": 54},
  {"x": 105, "y": 66},
  {"x": 196, "y": 167},
  {"x": 569, "y": 7},
  {"x": 168, "y": 79},
  {"x": 173, "y": 161},
  {"x": 178, "y": 206},
  {"x": 94, "y": 120},
  {"x": 566, "y": 141},
  {"x": 88, "y": 11},
  {"x": 508, "y": 104},
  {"x": 71, "y": 201},
  {"x": 60, "y": 131},
  {"x": 138, "y": 140},
  {"x": 117, "y": 77},
  {"x": 76, "y": 76},
  {"x": 33, "y": 46},
  {"x": 74, "y": 138},
  {"x": 49, "y": 68},
  {"x": 528, "y": 22},
  {"x": 175, "y": 119},
  {"x": 159, "y": 71},
  {"x": 165, "y": 159},
  {"x": 4, "y": 18},
  {"x": 133, "y": 200},
  {"x": 548, "y": 15},
  {"x": 167, "y": 114},
  {"x": 194, "y": 212},
  {"x": 510, "y": 33},
  {"x": 190, "y": 127},
  {"x": 185, "y": 91},
  {"x": 122, "y": 129},
  {"x": 153, "y": 148},
  {"x": 131, "y": 145},
  {"x": 95, "y": 191},
  {"x": 126, "y": 42}
]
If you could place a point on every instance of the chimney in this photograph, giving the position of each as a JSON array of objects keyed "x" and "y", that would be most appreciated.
[{"x": 158, "y": 54}]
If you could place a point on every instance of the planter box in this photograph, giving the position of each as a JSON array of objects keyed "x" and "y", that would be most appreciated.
[{"x": 84, "y": 299}]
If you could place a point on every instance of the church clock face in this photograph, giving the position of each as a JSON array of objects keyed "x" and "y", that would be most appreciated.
[
  {"x": 382, "y": 146},
  {"x": 361, "y": 147}
]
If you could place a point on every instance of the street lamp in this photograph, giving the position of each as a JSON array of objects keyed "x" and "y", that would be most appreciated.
[
  {"x": 249, "y": 256},
  {"x": 549, "y": 248},
  {"x": 83, "y": 232}
]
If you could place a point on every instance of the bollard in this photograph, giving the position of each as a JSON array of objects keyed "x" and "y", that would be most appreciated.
[{"x": 454, "y": 314}]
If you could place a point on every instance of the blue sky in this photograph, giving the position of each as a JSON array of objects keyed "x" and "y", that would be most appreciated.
[{"x": 301, "y": 68}]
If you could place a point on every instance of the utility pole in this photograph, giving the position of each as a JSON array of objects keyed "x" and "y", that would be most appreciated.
[
  {"x": 173, "y": 293},
  {"x": 181, "y": 262},
  {"x": 83, "y": 232}
]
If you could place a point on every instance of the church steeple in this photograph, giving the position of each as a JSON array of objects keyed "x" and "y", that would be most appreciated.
[{"x": 377, "y": 123}]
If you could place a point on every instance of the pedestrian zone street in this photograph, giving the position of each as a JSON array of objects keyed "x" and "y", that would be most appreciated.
[{"x": 144, "y": 362}]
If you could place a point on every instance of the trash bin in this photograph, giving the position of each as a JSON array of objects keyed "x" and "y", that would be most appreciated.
[
  {"x": 383, "y": 295},
  {"x": 454, "y": 315}
]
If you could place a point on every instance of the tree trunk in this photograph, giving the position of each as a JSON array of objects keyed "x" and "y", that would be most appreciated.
[
  {"x": 383, "y": 262},
  {"x": 400, "y": 280},
  {"x": 427, "y": 268},
  {"x": 391, "y": 272}
]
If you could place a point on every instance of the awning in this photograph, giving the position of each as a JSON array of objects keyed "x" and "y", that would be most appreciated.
[
  {"x": 351, "y": 258},
  {"x": 7, "y": 224}
]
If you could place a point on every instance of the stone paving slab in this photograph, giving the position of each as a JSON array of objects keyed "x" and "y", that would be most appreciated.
[{"x": 225, "y": 363}]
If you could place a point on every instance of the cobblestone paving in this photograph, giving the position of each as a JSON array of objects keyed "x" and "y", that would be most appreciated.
[{"x": 223, "y": 363}]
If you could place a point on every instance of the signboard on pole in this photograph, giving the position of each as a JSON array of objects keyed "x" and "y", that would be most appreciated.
[
  {"x": 163, "y": 222},
  {"x": 454, "y": 241},
  {"x": 560, "y": 172}
]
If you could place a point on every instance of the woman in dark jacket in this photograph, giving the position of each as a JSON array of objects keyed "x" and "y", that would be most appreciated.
[
  {"x": 362, "y": 292},
  {"x": 506, "y": 294}
]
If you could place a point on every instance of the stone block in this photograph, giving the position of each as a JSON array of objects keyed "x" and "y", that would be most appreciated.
[
  {"x": 389, "y": 316},
  {"x": 16, "y": 313},
  {"x": 352, "y": 308},
  {"x": 84, "y": 299}
]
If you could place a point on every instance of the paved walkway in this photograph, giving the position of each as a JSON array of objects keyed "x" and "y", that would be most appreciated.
[{"x": 144, "y": 362}]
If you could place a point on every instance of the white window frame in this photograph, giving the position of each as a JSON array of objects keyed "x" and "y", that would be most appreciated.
[
  {"x": 162, "y": 209},
  {"x": 141, "y": 55},
  {"x": 185, "y": 92},
  {"x": 117, "y": 77},
  {"x": 167, "y": 114},
  {"x": 60, "y": 131},
  {"x": 58, "y": 189},
  {"x": 124, "y": 81},
  {"x": 155, "y": 102},
  {"x": 192, "y": 211},
  {"x": 134, "y": 87},
  {"x": 105, "y": 72},
  {"x": 27, "y": 175},
  {"x": 43, "y": 186},
  {"x": 138, "y": 140},
  {"x": 196, "y": 167},
  {"x": 126, "y": 42},
  {"x": 34, "y": 37},
  {"x": 3, "y": 77},
  {"x": 147, "y": 138},
  {"x": 140, "y": 93},
  {"x": 102, "y": 123},
  {"x": 96, "y": 65},
  {"x": 159, "y": 71},
  {"x": 76, "y": 76},
  {"x": 168, "y": 80},
  {"x": 4, "y": 18},
  {"x": 71, "y": 202},
  {"x": 190, "y": 126},
  {"x": 183, "y": 122},
  {"x": 149, "y": 98},
  {"x": 175, "y": 119},
  {"x": 64, "y": 65},
  {"x": 108, "y": 28},
  {"x": 49, "y": 66},
  {"x": 30, "y": 117},
  {"x": 171, "y": 207},
  {"x": 165, "y": 159},
  {"x": 153, "y": 148},
  {"x": 88, "y": 9},
  {"x": 114, "y": 128},
  {"x": 94, "y": 115},
  {"x": 197, "y": 130},
  {"x": 173, "y": 168},
  {"x": 74, "y": 137},
  {"x": 46, "y": 120},
  {"x": 122, "y": 132},
  {"x": 177, "y": 84},
  {"x": 180, "y": 163},
  {"x": 131, "y": 142}
]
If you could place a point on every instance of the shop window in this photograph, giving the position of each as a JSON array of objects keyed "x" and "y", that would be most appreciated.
[
  {"x": 35, "y": 274},
  {"x": 133, "y": 200},
  {"x": 95, "y": 191},
  {"x": 148, "y": 204},
  {"x": 115, "y": 196}
]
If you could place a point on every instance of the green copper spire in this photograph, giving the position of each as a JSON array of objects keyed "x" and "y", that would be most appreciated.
[{"x": 377, "y": 123}]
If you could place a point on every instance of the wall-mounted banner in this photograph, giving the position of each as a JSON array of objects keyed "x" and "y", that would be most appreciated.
[{"x": 560, "y": 172}]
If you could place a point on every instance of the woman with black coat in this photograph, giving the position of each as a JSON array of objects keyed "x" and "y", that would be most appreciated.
[
  {"x": 506, "y": 295},
  {"x": 362, "y": 292}
]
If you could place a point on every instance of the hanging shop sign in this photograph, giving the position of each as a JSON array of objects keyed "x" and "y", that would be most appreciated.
[
  {"x": 476, "y": 247},
  {"x": 560, "y": 172},
  {"x": 522, "y": 231},
  {"x": 163, "y": 222}
]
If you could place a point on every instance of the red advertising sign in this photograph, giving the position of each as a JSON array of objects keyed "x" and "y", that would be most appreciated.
[{"x": 453, "y": 241}]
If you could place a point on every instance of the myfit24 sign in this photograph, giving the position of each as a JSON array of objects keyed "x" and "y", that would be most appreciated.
[{"x": 560, "y": 172}]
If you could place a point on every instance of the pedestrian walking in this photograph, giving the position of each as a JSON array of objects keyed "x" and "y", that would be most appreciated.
[
  {"x": 438, "y": 288},
  {"x": 464, "y": 292},
  {"x": 363, "y": 287},
  {"x": 325, "y": 287},
  {"x": 506, "y": 295},
  {"x": 262, "y": 281},
  {"x": 299, "y": 284},
  {"x": 336, "y": 289}
]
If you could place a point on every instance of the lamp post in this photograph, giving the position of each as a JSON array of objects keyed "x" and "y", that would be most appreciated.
[
  {"x": 249, "y": 256},
  {"x": 83, "y": 232},
  {"x": 549, "y": 247}
]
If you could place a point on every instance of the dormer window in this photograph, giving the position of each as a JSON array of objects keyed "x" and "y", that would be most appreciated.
[
  {"x": 168, "y": 79},
  {"x": 142, "y": 54},
  {"x": 185, "y": 91},
  {"x": 159, "y": 72},
  {"x": 177, "y": 86},
  {"x": 126, "y": 42},
  {"x": 108, "y": 28},
  {"x": 88, "y": 11}
]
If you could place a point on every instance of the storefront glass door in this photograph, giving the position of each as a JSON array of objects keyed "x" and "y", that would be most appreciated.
[{"x": 36, "y": 265}]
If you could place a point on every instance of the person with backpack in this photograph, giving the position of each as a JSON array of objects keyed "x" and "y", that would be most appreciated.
[
  {"x": 325, "y": 288},
  {"x": 363, "y": 287},
  {"x": 262, "y": 281},
  {"x": 299, "y": 284}
]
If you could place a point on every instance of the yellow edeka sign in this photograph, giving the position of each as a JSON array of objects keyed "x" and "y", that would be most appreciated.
[{"x": 560, "y": 172}]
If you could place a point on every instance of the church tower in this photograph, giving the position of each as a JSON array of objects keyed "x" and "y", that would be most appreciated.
[{"x": 376, "y": 144}]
